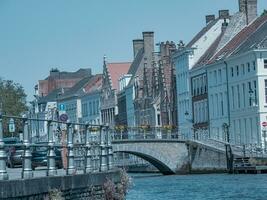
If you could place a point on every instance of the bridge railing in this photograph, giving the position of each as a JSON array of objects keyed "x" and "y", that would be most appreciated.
[
  {"x": 85, "y": 147},
  {"x": 245, "y": 150},
  {"x": 144, "y": 133}
]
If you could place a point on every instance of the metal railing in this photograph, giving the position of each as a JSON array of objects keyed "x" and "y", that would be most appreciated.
[
  {"x": 91, "y": 153},
  {"x": 138, "y": 133}
]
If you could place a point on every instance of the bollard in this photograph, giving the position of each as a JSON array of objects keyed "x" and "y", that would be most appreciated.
[
  {"x": 103, "y": 155},
  {"x": 109, "y": 147},
  {"x": 51, "y": 156},
  {"x": 70, "y": 168},
  {"x": 3, "y": 156},
  {"x": 88, "y": 156},
  {"x": 27, "y": 155}
]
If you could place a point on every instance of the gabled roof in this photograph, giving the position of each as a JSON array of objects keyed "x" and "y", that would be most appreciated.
[
  {"x": 76, "y": 90},
  {"x": 239, "y": 39},
  {"x": 52, "y": 96},
  {"x": 258, "y": 40},
  {"x": 204, "y": 59},
  {"x": 135, "y": 65},
  {"x": 70, "y": 75},
  {"x": 94, "y": 84},
  {"x": 116, "y": 70},
  {"x": 202, "y": 32}
]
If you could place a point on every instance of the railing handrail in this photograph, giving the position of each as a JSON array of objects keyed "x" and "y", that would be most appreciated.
[
  {"x": 53, "y": 121},
  {"x": 95, "y": 151}
]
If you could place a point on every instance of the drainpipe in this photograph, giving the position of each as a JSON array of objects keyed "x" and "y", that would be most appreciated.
[
  {"x": 208, "y": 108},
  {"x": 228, "y": 100},
  {"x": 228, "y": 150}
]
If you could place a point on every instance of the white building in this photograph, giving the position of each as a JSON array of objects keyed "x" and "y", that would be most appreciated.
[
  {"x": 184, "y": 59},
  {"x": 236, "y": 83}
]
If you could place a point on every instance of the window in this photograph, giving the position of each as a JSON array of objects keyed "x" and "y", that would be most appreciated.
[
  {"x": 201, "y": 85},
  {"x": 265, "y": 64},
  {"x": 232, "y": 71},
  {"x": 90, "y": 108},
  {"x": 205, "y": 83},
  {"x": 248, "y": 65},
  {"x": 243, "y": 69},
  {"x": 237, "y": 70},
  {"x": 254, "y": 65},
  {"x": 249, "y": 90},
  {"x": 215, "y": 76},
  {"x": 255, "y": 93},
  {"x": 158, "y": 117},
  {"x": 265, "y": 90},
  {"x": 233, "y": 98},
  {"x": 238, "y": 96},
  {"x": 220, "y": 75},
  {"x": 222, "y": 103},
  {"x": 197, "y": 86},
  {"x": 244, "y": 94},
  {"x": 194, "y": 87}
]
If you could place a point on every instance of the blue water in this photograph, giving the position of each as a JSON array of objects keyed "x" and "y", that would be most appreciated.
[{"x": 198, "y": 187}]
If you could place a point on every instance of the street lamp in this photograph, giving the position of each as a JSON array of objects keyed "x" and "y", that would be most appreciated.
[
  {"x": 264, "y": 135},
  {"x": 225, "y": 127}
]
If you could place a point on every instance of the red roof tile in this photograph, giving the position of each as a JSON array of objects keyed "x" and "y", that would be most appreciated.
[
  {"x": 242, "y": 36},
  {"x": 94, "y": 84},
  {"x": 116, "y": 70}
]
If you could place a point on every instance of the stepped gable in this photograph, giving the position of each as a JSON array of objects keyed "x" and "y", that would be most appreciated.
[
  {"x": 115, "y": 71},
  {"x": 240, "y": 38}
]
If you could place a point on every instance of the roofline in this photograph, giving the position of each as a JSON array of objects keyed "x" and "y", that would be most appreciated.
[
  {"x": 233, "y": 57},
  {"x": 118, "y": 62}
]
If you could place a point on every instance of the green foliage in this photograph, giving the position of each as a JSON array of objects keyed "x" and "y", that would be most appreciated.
[{"x": 12, "y": 101}]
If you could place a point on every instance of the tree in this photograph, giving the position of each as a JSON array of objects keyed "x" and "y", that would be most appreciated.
[{"x": 12, "y": 102}]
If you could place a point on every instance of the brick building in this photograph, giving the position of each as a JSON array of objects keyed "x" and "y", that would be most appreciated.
[{"x": 58, "y": 79}]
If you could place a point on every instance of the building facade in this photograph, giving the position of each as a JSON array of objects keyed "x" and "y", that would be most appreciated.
[
  {"x": 58, "y": 79},
  {"x": 112, "y": 72}
]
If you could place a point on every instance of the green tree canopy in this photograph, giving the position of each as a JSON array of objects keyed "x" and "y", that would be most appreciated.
[{"x": 12, "y": 101}]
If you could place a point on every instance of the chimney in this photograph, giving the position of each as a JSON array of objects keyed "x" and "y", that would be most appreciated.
[
  {"x": 210, "y": 18},
  {"x": 137, "y": 46},
  {"x": 224, "y": 14},
  {"x": 224, "y": 25},
  {"x": 242, "y": 5},
  {"x": 249, "y": 7},
  {"x": 148, "y": 42}
]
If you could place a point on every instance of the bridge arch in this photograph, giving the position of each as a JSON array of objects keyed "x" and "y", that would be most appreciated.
[
  {"x": 169, "y": 157},
  {"x": 163, "y": 168}
]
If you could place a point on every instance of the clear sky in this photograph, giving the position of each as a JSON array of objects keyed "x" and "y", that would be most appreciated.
[{"x": 39, "y": 35}]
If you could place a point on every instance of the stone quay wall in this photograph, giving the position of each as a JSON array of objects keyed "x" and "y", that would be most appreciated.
[{"x": 80, "y": 186}]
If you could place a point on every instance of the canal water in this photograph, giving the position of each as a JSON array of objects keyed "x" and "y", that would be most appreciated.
[{"x": 198, "y": 187}]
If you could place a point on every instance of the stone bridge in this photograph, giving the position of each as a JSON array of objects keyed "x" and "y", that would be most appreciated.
[{"x": 175, "y": 156}]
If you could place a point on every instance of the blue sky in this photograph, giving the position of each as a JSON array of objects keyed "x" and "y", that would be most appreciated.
[{"x": 39, "y": 35}]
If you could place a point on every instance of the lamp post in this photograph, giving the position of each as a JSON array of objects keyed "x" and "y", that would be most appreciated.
[
  {"x": 225, "y": 127},
  {"x": 264, "y": 135}
]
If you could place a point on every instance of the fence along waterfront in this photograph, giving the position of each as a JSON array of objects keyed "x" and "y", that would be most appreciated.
[{"x": 91, "y": 153}]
